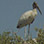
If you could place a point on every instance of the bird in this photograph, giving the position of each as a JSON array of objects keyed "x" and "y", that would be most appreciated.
[{"x": 29, "y": 16}]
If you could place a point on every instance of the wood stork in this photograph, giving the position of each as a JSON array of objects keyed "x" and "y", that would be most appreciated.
[{"x": 28, "y": 17}]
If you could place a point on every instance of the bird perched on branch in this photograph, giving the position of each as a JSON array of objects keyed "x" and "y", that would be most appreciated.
[{"x": 28, "y": 17}]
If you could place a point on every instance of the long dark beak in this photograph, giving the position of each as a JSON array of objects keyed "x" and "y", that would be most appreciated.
[
  {"x": 39, "y": 10},
  {"x": 36, "y": 6}
]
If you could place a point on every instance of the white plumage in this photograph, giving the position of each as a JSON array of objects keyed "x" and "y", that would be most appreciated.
[{"x": 27, "y": 18}]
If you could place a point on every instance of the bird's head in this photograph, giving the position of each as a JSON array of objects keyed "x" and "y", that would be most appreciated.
[{"x": 36, "y": 6}]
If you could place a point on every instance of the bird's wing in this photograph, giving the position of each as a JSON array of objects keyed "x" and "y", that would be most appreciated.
[{"x": 25, "y": 19}]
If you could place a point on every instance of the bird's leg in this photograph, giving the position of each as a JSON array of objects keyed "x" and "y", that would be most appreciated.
[
  {"x": 25, "y": 33},
  {"x": 28, "y": 31}
]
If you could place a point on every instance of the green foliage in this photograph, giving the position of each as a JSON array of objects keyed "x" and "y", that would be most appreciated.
[
  {"x": 5, "y": 38},
  {"x": 40, "y": 38}
]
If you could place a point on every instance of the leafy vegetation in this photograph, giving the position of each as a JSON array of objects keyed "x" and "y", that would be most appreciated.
[{"x": 6, "y": 38}]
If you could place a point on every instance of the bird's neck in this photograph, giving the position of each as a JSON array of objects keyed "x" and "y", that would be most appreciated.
[{"x": 35, "y": 12}]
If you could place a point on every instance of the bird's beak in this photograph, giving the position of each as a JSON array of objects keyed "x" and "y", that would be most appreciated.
[
  {"x": 39, "y": 10},
  {"x": 36, "y": 6}
]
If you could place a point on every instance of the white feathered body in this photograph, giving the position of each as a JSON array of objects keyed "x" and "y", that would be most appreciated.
[{"x": 27, "y": 18}]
